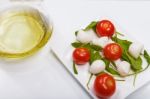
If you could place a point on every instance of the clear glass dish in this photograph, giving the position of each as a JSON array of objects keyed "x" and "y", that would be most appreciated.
[{"x": 23, "y": 31}]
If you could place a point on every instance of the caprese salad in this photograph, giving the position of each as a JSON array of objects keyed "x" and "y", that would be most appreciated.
[{"x": 108, "y": 55}]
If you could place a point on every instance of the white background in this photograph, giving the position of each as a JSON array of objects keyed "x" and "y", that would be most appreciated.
[{"x": 42, "y": 76}]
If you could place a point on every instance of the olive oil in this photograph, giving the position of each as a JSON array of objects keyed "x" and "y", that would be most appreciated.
[{"x": 22, "y": 32}]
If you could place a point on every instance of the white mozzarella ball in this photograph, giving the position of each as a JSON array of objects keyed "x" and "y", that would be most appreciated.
[
  {"x": 117, "y": 61},
  {"x": 100, "y": 41},
  {"x": 92, "y": 33},
  {"x": 135, "y": 49},
  {"x": 110, "y": 41},
  {"x": 97, "y": 67},
  {"x": 123, "y": 68},
  {"x": 84, "y": 37}
]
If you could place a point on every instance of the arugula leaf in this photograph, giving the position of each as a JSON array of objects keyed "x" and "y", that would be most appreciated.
[
  {"x": 96, "y": 48},
  {"x": 74, "y": 68},
  {"x": 119, "y": 33},
  {"x": 76, "y": 33},
  {"x": 138, "y": 71},
  {"x": 76, "y": 44},
  {"x": 119, "y": 79},
  {"x": 110, "y": 69},
  {"x": 92, "y": 25},
  {"x": 113, "y": 63},
  {"x": 135, "y": 76},
  {"x": 147, "y": 56},
  {"x": 94, "y": 56},
  {"x": 89, "y": 81},
  {"x": 125, "y": 57},
  {"x": 88, "y": 45},
  {"x": 136, "y": 64},
  {"x": 123, "y": 43},
  {"x": 107, "y": 62}
]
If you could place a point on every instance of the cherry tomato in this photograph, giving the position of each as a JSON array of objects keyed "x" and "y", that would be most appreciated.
[
  {"x": 112, "y": 51},
  {"x": 81, "y": 56},
  {"x": 104, "y": 85},
  {"x": 105, "y": 28}
]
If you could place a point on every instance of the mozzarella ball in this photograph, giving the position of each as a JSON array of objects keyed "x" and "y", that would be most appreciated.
[
  {"x": 100, "y": 41},
  {"x": 92, "y": 33},
  {"x": 117, "y": 61},
  {"x": 97, "y": 67},
  {"x": 110, "y": 41},
  {"x": 123, "y": 68},
  {"x": 84, "y": 37},
  {"x": 135, "y": 49}
]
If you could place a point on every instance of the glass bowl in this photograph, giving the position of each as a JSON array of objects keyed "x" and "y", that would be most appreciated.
[{"x": 23, "y": 31}]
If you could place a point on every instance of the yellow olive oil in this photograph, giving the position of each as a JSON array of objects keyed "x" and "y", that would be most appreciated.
[{"x": 22, "y": 32}]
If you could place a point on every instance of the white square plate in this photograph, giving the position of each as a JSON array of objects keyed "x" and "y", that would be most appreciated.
[{"x": 78, "y": 16}]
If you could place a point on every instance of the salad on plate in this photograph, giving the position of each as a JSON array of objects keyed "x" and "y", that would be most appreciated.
[{"x": 110, "y": 55}]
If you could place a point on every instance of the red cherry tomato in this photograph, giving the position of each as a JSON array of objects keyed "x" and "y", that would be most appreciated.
[
  {"x": 81, "y": 56},
  {"x": 112, "y": 51},
  {"x": 104, "y": 85},
  {"x": 105, "y": 28}
]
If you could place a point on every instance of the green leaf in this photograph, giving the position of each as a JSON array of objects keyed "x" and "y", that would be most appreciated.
[
  {"x": 96, "y": 48},
  {"x": 107, "y": 62},
  {"x": 92, "y": 25},
  {"x": 123, "y": 43},
  {"x": 89, "y": 81},
  {"x": 136, "y": 64},
  {"x": 113, "y": 63},
  {"x": 74, "y": 68},
  {"x": 119, "y": 33},
  {"x": 135, "y": 76},
  {"x": 119, "y": 79},
  {"x": 76, "y": 33},
  {"x": 88, "y": 46},
  {"x": 110, "y": 69},
  {"x": 94, "y": 56},
  {"x": 77, "y": 44},
  {"x": 147, "y": 56},
  {"x": 138, "y": 71},
  {"x": 125, "y": 57}
]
